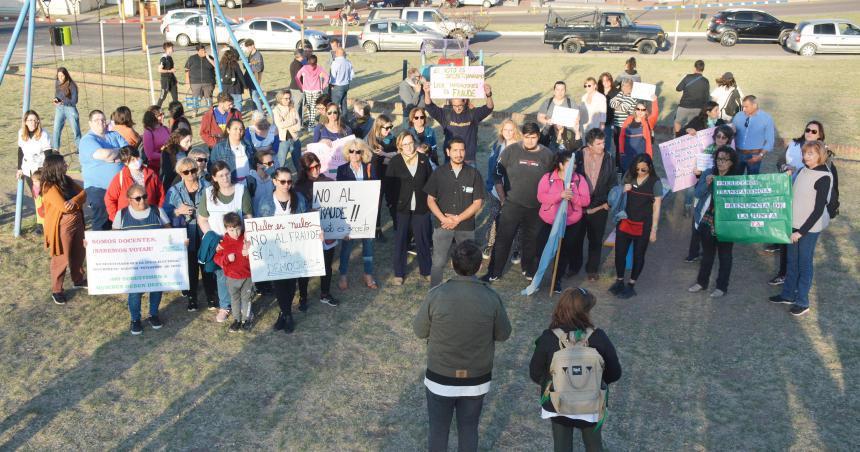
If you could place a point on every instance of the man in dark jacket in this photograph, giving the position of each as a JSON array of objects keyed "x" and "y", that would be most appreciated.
[
  {"x": 695, "y": 91},
  {"x": 460, "y": 120},
  {"x": 461, "y": 320}
]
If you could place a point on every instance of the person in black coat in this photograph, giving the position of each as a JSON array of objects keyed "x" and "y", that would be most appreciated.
[
  {"x": 571, "y": 314},
  {"x": 410, "y": 170},
  {"x": 707, "y": 118}
]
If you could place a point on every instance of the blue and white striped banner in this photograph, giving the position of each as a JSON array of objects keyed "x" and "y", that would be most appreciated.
[{"x": 717, "y": 5}]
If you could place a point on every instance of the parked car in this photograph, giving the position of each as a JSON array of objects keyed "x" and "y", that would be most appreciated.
[
  {"x": 824, "y": 36},
  {"x": 395, "y": 34},
  {"x": 177, "y": 15},
  {"x": 609, "y": 30},
  {"x": 276, "y": 33},
  {"x": 322, "y": 5},
  {"x": 729, "y": 26},
  {"x": 228, "y": 3},
  {"x": 430, "y": 18},
  {"x": 195, "y": 29}
]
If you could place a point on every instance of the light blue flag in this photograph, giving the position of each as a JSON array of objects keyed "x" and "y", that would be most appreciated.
[{"x": 555, "y": 236}]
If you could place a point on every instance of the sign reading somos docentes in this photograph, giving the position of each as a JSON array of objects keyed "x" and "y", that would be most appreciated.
[
  {"x": 147, "y": 260},
  {"x": 347, "y": 209},
  {"x": 753, "y": 208},
  {"x": 285, "y": 247},
  {"x": 457, "y": 82}
]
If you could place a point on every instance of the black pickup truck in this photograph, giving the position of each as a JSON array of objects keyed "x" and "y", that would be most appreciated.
[{"x": 609, "y": 30}]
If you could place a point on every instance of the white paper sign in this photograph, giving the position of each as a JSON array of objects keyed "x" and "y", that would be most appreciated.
[
  {"x": 644, "y": 91},
  {"x": 285, "y": 246},
  {"x": 679, "y": 161},
  {"x": 347, "y": 208},
  {"x": 330, "y": 155},
  {"x": 145, "y": 260},
  {"x": 457, "y": 82},
  {"x": 563, "y": 116}
]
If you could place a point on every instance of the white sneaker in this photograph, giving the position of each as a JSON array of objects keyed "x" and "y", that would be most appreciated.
[
  {"x": 695, "y": 288},
  {"x": 717, "y": 293}
]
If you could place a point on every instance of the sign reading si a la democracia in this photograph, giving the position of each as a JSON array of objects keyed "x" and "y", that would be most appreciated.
[{"x": 753, "y": 208}]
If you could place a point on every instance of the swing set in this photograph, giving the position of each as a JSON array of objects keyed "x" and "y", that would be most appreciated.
[{"x": 28, "y": 13}]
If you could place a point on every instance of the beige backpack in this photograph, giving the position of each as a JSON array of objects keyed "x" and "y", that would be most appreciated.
[{"x": 577, "y": 377}]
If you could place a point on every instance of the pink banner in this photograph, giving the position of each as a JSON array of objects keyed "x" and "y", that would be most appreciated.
[{"x": 679, "y": 161}]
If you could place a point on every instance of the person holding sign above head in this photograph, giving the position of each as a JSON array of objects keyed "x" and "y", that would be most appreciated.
[
  {"x": 235, "y": 150},
  {"x": 358, "y": 168},
  {"x": 812, "y": 191},
  {"x": 455, "y": 194},
  {"x": 461, "y": 120},
  {"x": 63, "y": 200},
  {"x": 181, "y": 205},
  {"x": 221, "y": 198},
  {"x": 132, "y": 173},
  {"x": 637, "y": 133},
  {"x": 410, "y": 170},
  {"x": 232, "y": 257},
  {"x": 139, "y": 214},
  {"x": 311, "y": 173},
  {"x": 644, "y": 193},
  {"x": 725, "y": 164}
]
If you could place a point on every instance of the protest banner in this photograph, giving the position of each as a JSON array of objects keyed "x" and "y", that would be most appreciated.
[
  {"x": 145, "y": 260},
  {"x": 457, "y": 82},
  {"x": 563, "y": 116},
  {"x": 753, "y": 208},
  {"x": 347, "y": 209},
  {"x": 644, "y": 91},
  {"x": 679, "y": 161},
  {"x": 285, "y": 247},
  {"x": 330, "y": 155}
]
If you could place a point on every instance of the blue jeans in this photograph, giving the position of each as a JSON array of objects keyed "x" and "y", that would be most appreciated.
[
  {"x": 366, "y": 255},
  {"x": 62, "y": 114},
  {"x": 237, "y": 101},
  {"x": 746, "y": 167},
  {"x": 223, "y": 290},
  {"x": 338, "y": 97},
  {"x": 96, "y": 202},
  {"x": 134, "y": 301},
  {"x": 256, "y": 98},
  {"x": 285, "y": 150},
  {"x": 798, "y": 276},
  {"x": 297, "y": 154}
]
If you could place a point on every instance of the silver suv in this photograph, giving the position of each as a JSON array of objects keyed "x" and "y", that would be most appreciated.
[
  {"x": 431, "y": 18},
  {"x": 824, "y": 36}
]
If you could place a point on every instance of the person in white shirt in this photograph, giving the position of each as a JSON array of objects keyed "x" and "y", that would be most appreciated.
[{"x": 594, "y": 104}]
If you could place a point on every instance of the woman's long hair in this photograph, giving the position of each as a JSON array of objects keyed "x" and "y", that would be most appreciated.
[
  {"x": 373, "y": 138},
  {"x": 54, "y": 175},
  {"x": 572, "y": 310},
  {"x": 66, "y": 86},
  {"x": 802, "y": 138},
  {"x": 25, "y": 132},
  {"x": 226, "y": 135},
  {"x": 216, "y": 167},
  {"x": 630, "y": 176},
  {"x": 324, "y": 119},
  {"x": 603, "y": 88},
  {"x": 703, "y": 114},
  {"x": 305, "y": 161},
  {"x": 230, "y": 63},
  {"x": 294, "y": 205},
  {"x": 172, "y": 145},
  {"x": 518, "y": 136},
  {"x": 150, "y": 118}
]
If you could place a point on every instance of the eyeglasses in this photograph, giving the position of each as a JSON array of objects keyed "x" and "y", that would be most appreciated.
[
  {"x": 189, "y": 171},
  {"x": 201, "y": 160},
  {"x": 641, "y": 109},
  {"x": 642, "y": 170},
  {"x": 416, "y": 117},
  {"x": 812, "y": 131},
  {"x": 332, "y": 113},
  {"x": 267, "y": 163},
  {"x": 386, "y": 127},
  {"x": 354, "y": 151},
  {"x": 139, "y": 198},
  {"x": 285, "y": 182},
  {"x": 723, "y": 160}
]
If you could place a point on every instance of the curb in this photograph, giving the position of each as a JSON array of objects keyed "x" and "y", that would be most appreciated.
[{"x": 530, "y": 34}]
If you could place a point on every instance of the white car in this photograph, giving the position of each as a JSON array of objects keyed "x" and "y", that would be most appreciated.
[
  {"x": 276, "y": 33},
  {"x": 177, "y": 15},
  {"x": 195, "y": 29},
  {"x": 395, "y": 34},
  {"x": 824, "y": 36}
]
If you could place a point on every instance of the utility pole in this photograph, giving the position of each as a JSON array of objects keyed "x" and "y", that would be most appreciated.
[{"x": 145, "y": 48}]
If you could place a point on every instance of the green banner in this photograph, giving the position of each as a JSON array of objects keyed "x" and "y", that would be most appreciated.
[{"x": 753, "y": 208}]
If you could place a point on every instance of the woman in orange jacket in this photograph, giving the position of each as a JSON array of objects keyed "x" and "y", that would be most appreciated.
[
  {"x": 637, "y": 133},
  {"x": 132, "y": 173},
  {"x": 63, "y": 200}
]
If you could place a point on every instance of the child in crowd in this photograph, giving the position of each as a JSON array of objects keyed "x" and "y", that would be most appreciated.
[
  {"x": 36, "y": 177},
  {"x": 232, "y": 256},
  {"x": 424, "y": 148}
]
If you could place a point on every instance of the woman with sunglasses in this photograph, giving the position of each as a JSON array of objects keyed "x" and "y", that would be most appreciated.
[
  {"x": 155, "y": 136},
  {"x": 383, "y": 146},
  {"x": 571, "y": 321},
  {"x": 133, "y": 172},
  {"x": 311, "y": 172},
  {"x": 725, "y": 164},
  {"x": 200, "y": 155},
  {"x": 357, "y": 167},
  {"x": 644, "y": 193},
  {"x": 63, "y": 200},
  {"x": 331, "y": 126},
  {"x": 263, "y": 177},
  {"x": 286, "y": 200},
  {"x": 637, "y": 133},
  {"x": 221, "y": 197},
  {"x": 814, "y": 130},
  {"x": 422, "y": 132},
  {"x": 140, "y": 214},
  {"x": 410, "y": 171},
  {"x": 595, "y": 106},
  {"x": 235, "y": 150},
  {"x": 723, "y": 136},
  {"x": 181, "y": 205},
  {"x": 175, "y": 149}
]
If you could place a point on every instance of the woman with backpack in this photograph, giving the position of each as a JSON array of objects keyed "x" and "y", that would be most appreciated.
[
  {"x": 728, "y": 96},
  {"x": 571, "y": 324}
]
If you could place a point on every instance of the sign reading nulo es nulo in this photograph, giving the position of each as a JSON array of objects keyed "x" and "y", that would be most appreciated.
[{"x": 285, "y": 246}]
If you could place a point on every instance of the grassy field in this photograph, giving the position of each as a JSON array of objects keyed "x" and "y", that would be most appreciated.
[{"x": 699, "y": 374}]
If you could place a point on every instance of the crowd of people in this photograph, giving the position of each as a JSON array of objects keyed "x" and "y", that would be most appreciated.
[{"x": 156, "y": 178}]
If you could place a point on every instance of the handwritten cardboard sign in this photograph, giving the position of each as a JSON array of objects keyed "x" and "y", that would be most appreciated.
[
  {"x": 347, "y": 209},
  {"x": 285, "y": 246},
  {"x": 457, "y": 82}
]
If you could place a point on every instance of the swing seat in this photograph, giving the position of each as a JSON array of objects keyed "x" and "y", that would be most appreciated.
[{"x": 192, "y": 102}]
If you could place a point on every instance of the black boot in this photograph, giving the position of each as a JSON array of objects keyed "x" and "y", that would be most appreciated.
[
  {"x": 290, "y": 325},
  {"x": 279, "y": 324}
]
